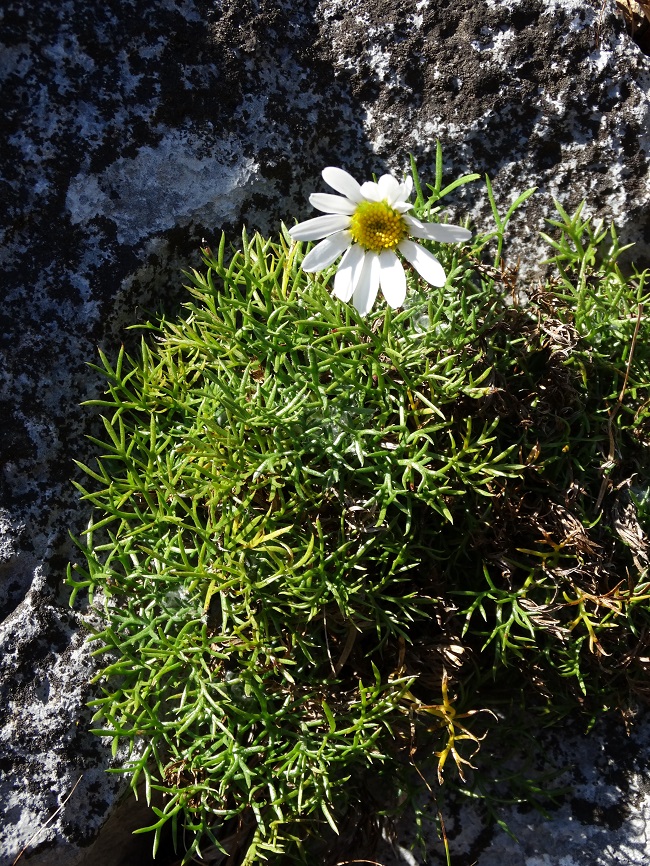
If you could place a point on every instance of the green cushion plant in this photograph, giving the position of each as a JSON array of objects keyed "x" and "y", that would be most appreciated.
[{"x": 321, "y": 544}]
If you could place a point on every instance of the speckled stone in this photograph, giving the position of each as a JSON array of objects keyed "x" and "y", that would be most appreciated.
[
  {"x": 601, "y": 820},
  {"x": 133, "y": 131},
  {"x": 549, "y": 94}
]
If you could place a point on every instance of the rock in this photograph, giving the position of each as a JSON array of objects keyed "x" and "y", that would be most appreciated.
[
  {"x": 132, "y": 133},
  {"x": 601, "y": 820},
  {"x": 532, "y": 93}
]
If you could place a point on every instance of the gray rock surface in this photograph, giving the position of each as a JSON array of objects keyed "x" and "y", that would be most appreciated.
[
  {"x": 603, "y": 819},
  {"x": 132, "y": 132}
]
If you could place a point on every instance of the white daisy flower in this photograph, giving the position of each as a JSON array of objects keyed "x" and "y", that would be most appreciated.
[{"x": 369, "y": 225}]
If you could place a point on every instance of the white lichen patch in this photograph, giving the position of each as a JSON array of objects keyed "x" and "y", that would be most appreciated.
[
  {"x": 142, "y": 196},
  {"x": 496, "y": 42},
  {"x": 504, "y": 4},
  {"x": 581, "y": 13}
]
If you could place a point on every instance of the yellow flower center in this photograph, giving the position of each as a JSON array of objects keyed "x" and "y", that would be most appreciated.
[{"x": 376, "y": 226}]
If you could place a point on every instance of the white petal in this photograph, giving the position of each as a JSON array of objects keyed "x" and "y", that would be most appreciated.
[
  {"x": 413, "y": 222},
  {"x": 368, "y": 285},
  {"x": 326, "y": 252},
  {"x": 392, "y": 279},
  {"x": 402, "y": 206},
  {"x": 406, "y": 187},
  {"x": 370, "y": 191},
  {"x": 319, "y": 227},
  {"x": 332, "y": 203},
  {"x": 389, "y": 188},
  {"x": 437, "y": 232},
  {"x": 348, "y": 273},
  {"x": 342, "y": 182},
  {"x": 426, "y": 264}
]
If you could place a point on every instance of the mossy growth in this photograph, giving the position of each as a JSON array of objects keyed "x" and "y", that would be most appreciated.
[{"x": 322, "y": 545}]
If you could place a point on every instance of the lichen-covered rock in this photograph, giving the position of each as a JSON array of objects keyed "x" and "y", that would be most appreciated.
[
  {"x": 132, "y": 132},
  {"x": 601, "y": 820},
  {"x": 545, "y": 93},
  {"x": 46, "y": 754}
]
